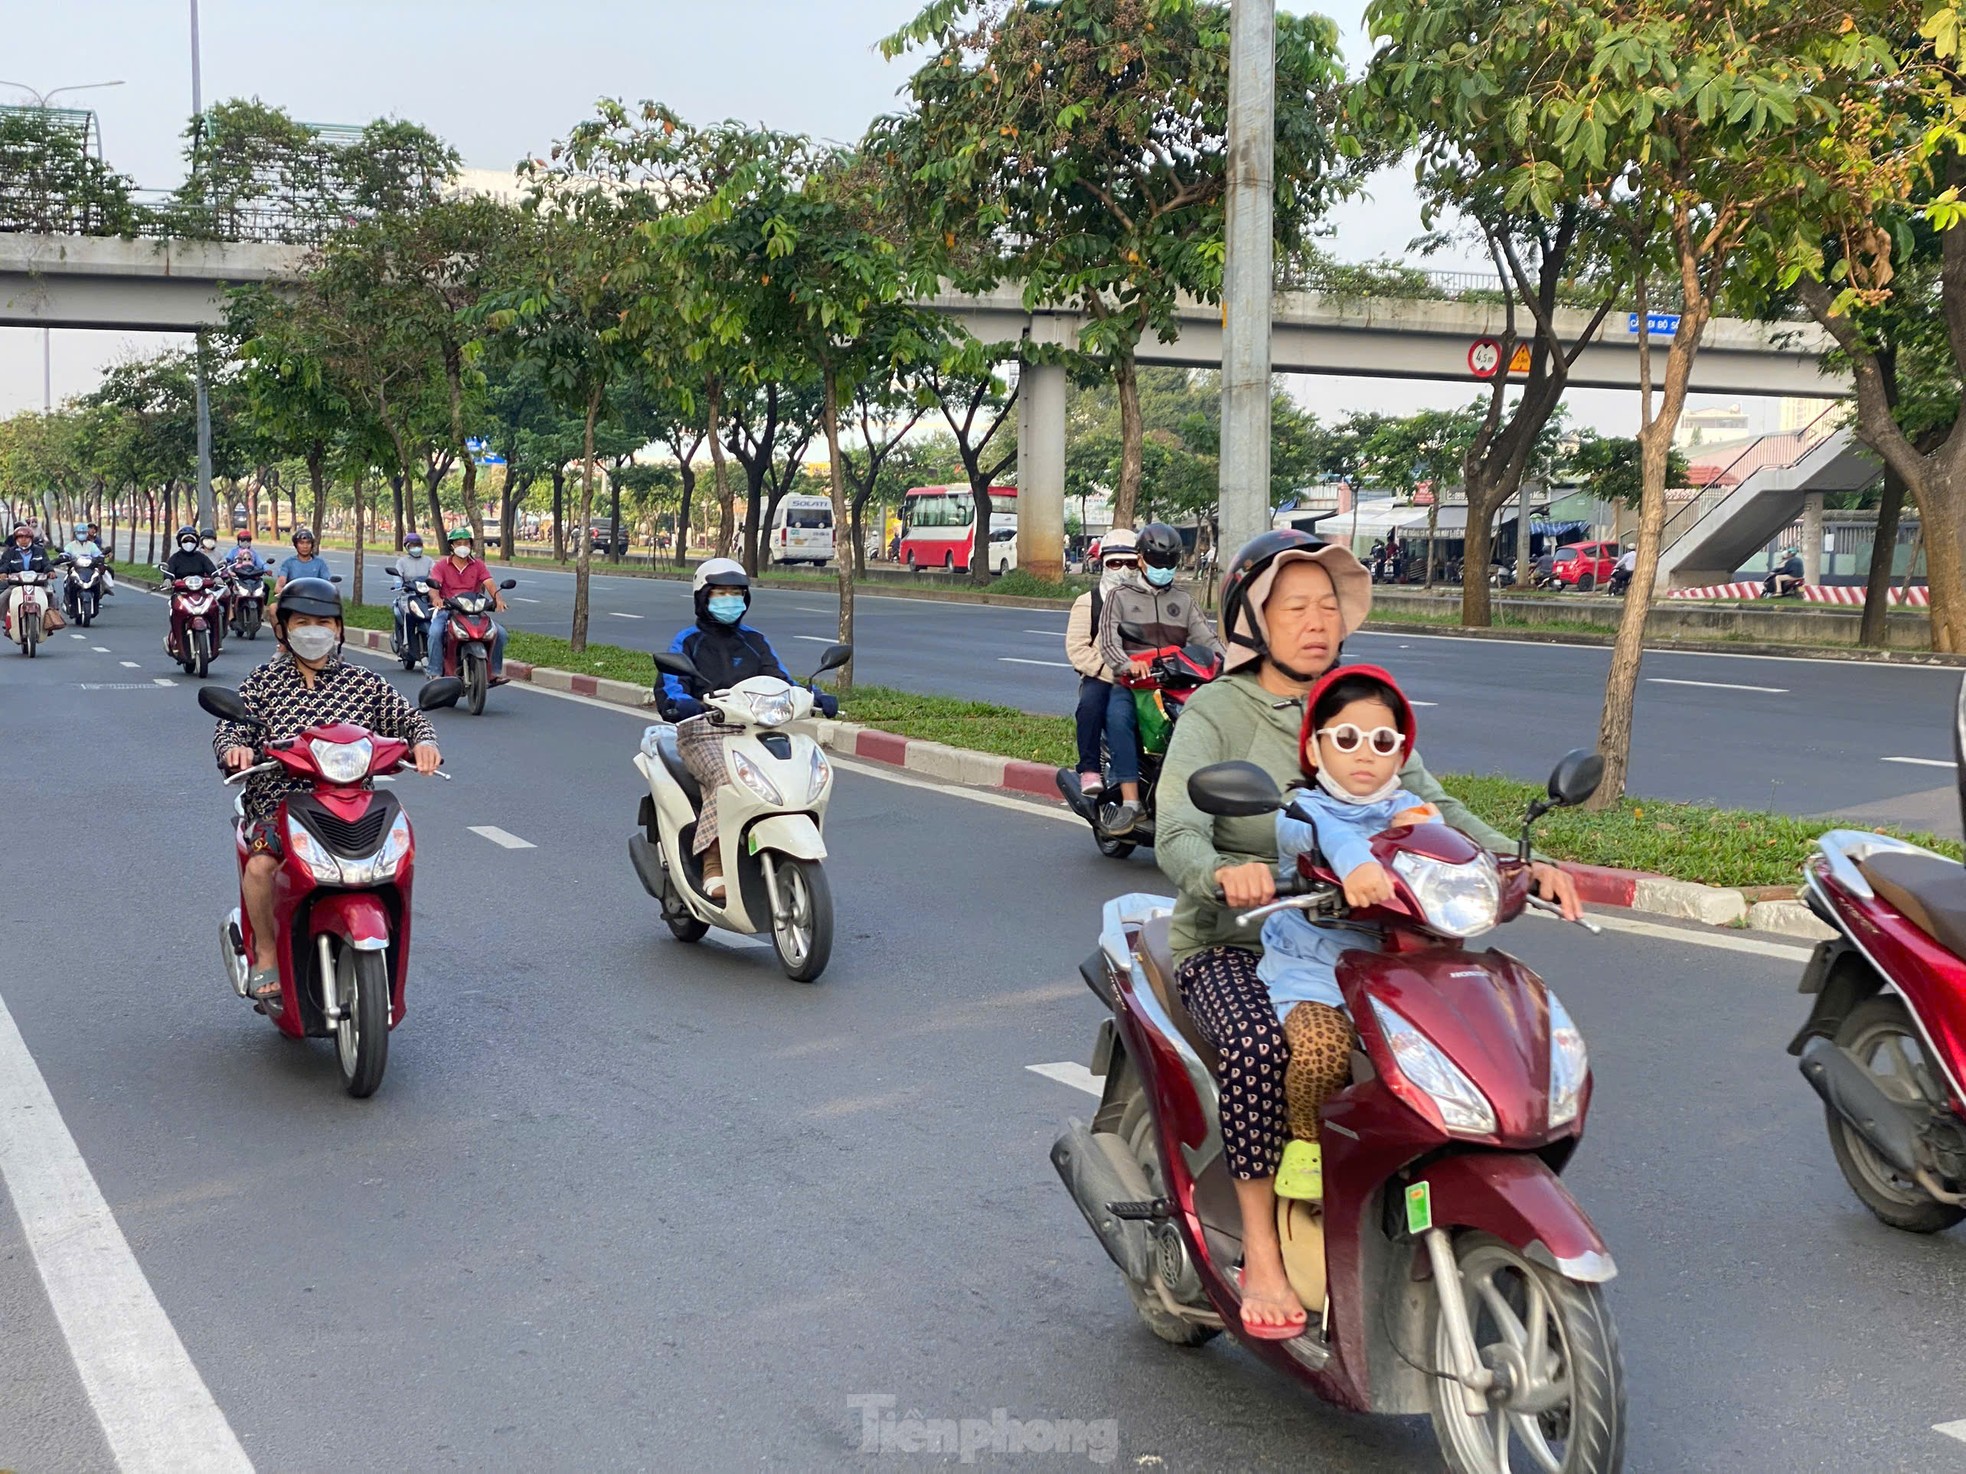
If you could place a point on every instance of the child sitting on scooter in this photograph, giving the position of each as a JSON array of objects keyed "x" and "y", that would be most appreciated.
[{"x": 1358, "y": 731}]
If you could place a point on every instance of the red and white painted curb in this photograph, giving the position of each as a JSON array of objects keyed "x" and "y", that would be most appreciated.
[
  {"x": 1600, "y": 885},
  {"x": 1812, "y": 593}
]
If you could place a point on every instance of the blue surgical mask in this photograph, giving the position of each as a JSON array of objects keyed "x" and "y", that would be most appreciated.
[
  {"x": 727, "y": 608},
  {"x": 1160, "y": 578}
]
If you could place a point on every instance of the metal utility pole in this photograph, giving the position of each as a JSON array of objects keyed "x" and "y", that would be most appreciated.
[
  {"x": 1247, "y": 274},
  {"x": 207, "y": 511}
]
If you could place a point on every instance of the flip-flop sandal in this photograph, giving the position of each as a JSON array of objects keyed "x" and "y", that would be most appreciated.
[
  {"x": 264, "y": 988},
  {"x": 1288, "y": 1331}
]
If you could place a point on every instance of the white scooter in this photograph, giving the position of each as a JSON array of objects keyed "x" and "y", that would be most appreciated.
[
  {"x": 26, "y": 597},
  {"x": 770, "y": 817}
]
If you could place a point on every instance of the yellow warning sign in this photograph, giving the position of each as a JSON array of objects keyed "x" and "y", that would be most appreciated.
[{"x": 1519, "y": 364}]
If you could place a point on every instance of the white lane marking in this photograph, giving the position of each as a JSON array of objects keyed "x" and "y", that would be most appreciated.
[
  {"x": 1054, "y": 664},
  {"x": 1952, "y": 1430},
  {"x": 1070, "y": 1072},
  {"x": 803, "y": 609},
  {"x": 1922, "y": 762},
  {"x": 1411, "y": 702},
  {"x": 162, "y": 681},
  {"x": 78, "y": 637},
  {"x": 130, "y": 664},
  {"x": 987, "y": 796},
  {"x": 100, "y": 649},
  {"x": 617, "y": 614},
  {"x": 1719, "y": 940},
  {"x": 1717, "y": 685},
  {"x": 817, "y": 639},
  {"x": 499, "y": 837},
  {"x": 1054, "y": 634},
  {"x": 155, "y": 1410},
  {"x": 522, "y": 599}
]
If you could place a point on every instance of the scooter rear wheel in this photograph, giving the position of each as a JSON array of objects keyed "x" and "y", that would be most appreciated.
[
  {"x": 1136, "y": 1129},
  {"x": 1881, "y": 1037},
  {"x": 1519, "y": 1310},
  {"x": 362, "y": 1032}
]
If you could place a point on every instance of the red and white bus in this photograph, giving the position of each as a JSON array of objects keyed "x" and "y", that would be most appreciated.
[{"x": 938, "y": 526}]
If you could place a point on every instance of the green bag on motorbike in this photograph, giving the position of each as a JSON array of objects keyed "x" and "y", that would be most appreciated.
[{"x": 1155, "y": 725}]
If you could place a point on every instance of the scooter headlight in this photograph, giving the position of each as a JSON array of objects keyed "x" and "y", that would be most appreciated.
[
  {"x": 312, "y": 853},
  {"x": 343, "y": 762},
  {"x": 771, "y": 708},
  {"x": 384, "y": 862},
  {"x": 822, "y": 774},
  {"x": 1570, "y": 1063},
  {"x": 1462, "y": 1106},
  {"x": 748, "y": 773},
  {"x": 1457, "y": 900}
]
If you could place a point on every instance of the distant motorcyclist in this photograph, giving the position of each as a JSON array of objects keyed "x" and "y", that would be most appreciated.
[
  {"x": 190, "y": 560},
  {"x": 22, "y": 555},
  {"x": 1627, "y": 565},
  {"x": 306, "y": 561},
  {"x": 81, "y": 545},
  {"x": 724, "y": 650},
  {"x": 1787, "y": 576},
  {"x": 464, "y": 572},
  {"x": 308, "y": 684},
  {"x": 1136, "y": 619},
  {"x": 1119, "y": 563},
  {"x": 108, "y": 572},
  {"x": 244, "y": 557},
  {"x": 414, "y": 564}
]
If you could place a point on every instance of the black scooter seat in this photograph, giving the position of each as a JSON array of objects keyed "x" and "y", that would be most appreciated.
[
  {"x": 671, "y": 754},
  {"x": 1929, "y": 891}
]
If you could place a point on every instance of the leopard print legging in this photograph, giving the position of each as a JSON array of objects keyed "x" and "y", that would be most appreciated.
[{"x": 1321, "y": 1040}]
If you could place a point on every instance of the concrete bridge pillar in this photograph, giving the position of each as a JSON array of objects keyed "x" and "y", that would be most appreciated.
[{"x": 1041, "y": 469}]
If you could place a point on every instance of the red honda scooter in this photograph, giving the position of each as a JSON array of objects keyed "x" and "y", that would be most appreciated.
[
  {"x": 468, "y": 633},
  {"x": 1885, "y": 1044},
  {"x": 1456, "y": 1275},
  {"x": 195, "y": 624},
  {"x": 341, "y": 897}
]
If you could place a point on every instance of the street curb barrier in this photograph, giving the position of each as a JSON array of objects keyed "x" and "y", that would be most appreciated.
[{"x": 1599, "y": 885}]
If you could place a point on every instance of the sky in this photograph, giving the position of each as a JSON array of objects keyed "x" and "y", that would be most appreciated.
[{"x": 500, "y": 78}]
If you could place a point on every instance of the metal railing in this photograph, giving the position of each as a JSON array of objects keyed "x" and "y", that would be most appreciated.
[{"x": 1810, "y": 438}]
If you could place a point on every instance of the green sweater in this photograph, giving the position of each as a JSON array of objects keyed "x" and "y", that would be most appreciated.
[{"x": 1235, "y": 718}]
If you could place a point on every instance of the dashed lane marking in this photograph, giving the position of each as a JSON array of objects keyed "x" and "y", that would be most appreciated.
[
  {"x": 1717, "y": 685},
  {"x": 155, "y": 1410},
  {"x": 1952, "y": 1430},
  {"x": 1053, "y": 664},
  {"x": 100, "y": 649},
  {"x": 1070, "y": 1072},
  {"x": 617, "y": 614},
  {"x": 1923, "y": 762},
  {"x": 131, "y": 664},
  {"x": 162, "y": 681},
  {"x": 501, "y": 838},
  {"x": 817, "y": 639},
  {"x": 521, "y": 599}
]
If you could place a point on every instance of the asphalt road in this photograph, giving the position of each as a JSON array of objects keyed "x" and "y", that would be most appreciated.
[
  {"x": 623, "y": 1203},
  {"x": 1865, "y": 740}
]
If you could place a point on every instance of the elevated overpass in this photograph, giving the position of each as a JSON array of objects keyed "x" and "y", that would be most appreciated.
[{"x": 141, "y": 285}]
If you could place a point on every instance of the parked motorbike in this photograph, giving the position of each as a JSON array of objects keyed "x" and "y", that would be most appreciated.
[
  {"x": 193, "y": 637},
  {"x": 468, "y": 642},
  {"x": 26, "y": 607},
  {"x": 1885, "y": 1044},
  {"x": 81, "y": 589},
  {"x": 248, "y": 603},
  {"x": 410, "y": 636},
  {"x": 1176, "y": 675},
  {"x": 771, "y": 817},
  {"x": 341, "y": 899},
  {"x": 1621, "y": 579},
  {"x": 1455, "y": 1274}
]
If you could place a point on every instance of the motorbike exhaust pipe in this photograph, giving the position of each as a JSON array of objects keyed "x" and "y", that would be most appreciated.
[
  {"x": 1847, "y": 1088},
  {"x": 1095, "y": 1184}
]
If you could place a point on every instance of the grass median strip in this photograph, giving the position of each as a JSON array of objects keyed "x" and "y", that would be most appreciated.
[{"x": 1731, "y": 847}]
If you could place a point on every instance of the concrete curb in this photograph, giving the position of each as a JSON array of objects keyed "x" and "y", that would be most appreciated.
[{"x": 1600, "y": 885}]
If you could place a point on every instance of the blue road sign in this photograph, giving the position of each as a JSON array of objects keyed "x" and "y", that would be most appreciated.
[{"x": 1657, "y": 324}]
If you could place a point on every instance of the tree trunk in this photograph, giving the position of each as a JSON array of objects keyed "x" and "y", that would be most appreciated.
[
  {"x": 150, "y": 515},
  {"x": 360, "y": 542},
  {"x": 1476, "y": 554},
  {"x": 1433, "y": 531},
  {"x": 1877, "y": 587},
  {"x": 584, "y": 562},
  {"x": 720, "y": 473},
  {"x": 836, "y": 473},
  {"x": 273, "y": 504},
  {"x": 614, "y": 520},
  {"x": 433, "y": 479},
  {"x": 396, "y": 508},
  {"x": 1941, "y": 516},
  {"x": 682, "y": 517},
  {"x": 559, "y": 512},
  {"x": 1126, "y": 379},
  {"x": 317, "y": 478}
]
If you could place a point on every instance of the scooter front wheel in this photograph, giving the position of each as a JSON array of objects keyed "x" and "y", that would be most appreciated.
[
  {"x": 802, "y": 930},
  {"x": 200, "y": 664},
  {"x": 474, "y": 685},
  {"x": 362, "y": 1032},
  {"x": 1564, "y": 1407}
]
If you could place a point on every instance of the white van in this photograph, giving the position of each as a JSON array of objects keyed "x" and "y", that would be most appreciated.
[{"x": 802, "y": 531}]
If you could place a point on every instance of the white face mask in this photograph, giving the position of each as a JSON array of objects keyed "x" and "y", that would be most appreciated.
[
  {"x": 312, "y": 642},
  {"x": 1345, "y": 796},
  {"x": 1117, "y": 578}
]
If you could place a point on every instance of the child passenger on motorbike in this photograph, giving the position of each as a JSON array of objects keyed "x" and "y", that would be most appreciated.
[
  {"x": 1358, "y": 732},
  {"x": 724, "y": 650}
]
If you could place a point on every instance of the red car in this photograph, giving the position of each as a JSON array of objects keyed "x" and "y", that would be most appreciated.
[{"x": 1583, "y": 566}]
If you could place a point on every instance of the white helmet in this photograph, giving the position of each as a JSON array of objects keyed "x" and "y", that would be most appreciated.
[
  {"x": 724, "y": 572},
  {"x": 1119, "y": 540}
]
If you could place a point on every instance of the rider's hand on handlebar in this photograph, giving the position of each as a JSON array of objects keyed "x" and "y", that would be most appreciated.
[
  {"x": 1554, "y": 883},
  {"x": 238, "y": 758},
  {"x": 1141, "y": 667},
  {"x": 1243, "y": 886},
  {"x": 426, "y": 758},
  {"x": 1368, "y": 885}
]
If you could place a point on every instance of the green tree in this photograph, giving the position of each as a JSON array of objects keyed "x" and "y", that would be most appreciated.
[
  {"x": 1610, "y": 465},
  {"x": 1079, "y": 149}
]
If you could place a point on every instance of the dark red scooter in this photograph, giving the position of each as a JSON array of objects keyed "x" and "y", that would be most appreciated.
[
  {"x": 468, "y": 635},
  {"x": 1456, "y": 1275},
  {"x": 341, "y": 898},
  {"x": 196, "y": 625},
  {"x": 1885, "y": 1045}
]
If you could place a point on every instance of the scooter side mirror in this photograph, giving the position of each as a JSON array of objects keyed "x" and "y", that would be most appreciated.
[
  {"x": 674, "y": 663},
  {"x": 1576, "y": 778},
  {"x": 334, "y": 578},
  {"x": 510, "y": 583},
  {"x": 227, "y": 705},
  {"x": 835, "y": 657},
  {"x": 1236, "y": 790},
  {"x": 443, "y": 691}
]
